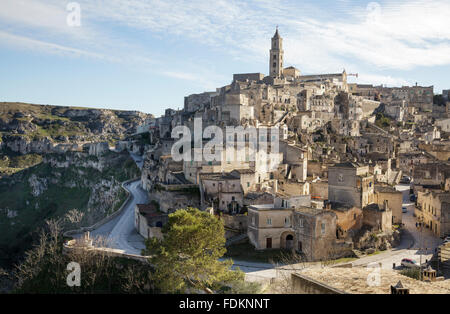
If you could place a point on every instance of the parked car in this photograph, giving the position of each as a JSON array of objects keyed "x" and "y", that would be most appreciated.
[
  {"x": 412, "y": 198},
  {"x": 410, "y": 263},
  {"x": 405, "y": 180},
  {"x": 404, "y": 209}
]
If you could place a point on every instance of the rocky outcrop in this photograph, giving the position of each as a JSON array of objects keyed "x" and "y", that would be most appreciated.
[
  {"x": 37, "y": 185},
  {"x": 96, "y": 149},
  {"x": 23, "y": 145},
  {"x": 31, "y": 128}
]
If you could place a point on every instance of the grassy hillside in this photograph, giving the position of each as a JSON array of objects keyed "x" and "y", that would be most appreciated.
[
  {"x": 66, "y": 124},
  {"x": 44, "y": 191}
]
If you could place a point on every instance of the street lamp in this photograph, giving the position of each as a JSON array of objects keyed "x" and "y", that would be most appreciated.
[{"x": 420, "y": 219}]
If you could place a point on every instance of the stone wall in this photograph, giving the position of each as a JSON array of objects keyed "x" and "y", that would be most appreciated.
[{"x": 306, "y": 285}]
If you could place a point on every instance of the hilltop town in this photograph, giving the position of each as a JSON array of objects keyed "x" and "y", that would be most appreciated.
[
  {"x": 351, "y": 161},
  {"x": 331, "y": 172}
]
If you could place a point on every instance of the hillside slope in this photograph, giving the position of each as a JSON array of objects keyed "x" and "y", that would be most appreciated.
[
  {"x": 78, "y": 188},
  {"x": 29, "y": 128}
]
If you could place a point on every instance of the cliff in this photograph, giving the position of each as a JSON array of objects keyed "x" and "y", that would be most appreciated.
[
  {"x": 28, "y": 128},
  {"x": 75, "y": 187}
]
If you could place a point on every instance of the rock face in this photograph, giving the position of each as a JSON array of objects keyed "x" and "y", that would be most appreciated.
[
  {"x": 37, "y": 185},
  {"x": 96, "y": 149},
  {"x": 28, "y": 128},
  {"x": 59, "y": 184}
]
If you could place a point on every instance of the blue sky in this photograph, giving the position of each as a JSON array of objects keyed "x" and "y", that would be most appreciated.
[{"x": 148, "y": 54}]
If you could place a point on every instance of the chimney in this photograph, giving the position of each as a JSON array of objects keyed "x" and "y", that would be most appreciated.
[{"x": 399, "y": 289}]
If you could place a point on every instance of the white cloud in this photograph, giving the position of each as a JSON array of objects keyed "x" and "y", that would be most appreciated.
[
  {"x": 386, "y": 36},
  {"x": 48, "y": 47},
  {"x": 33, "y": 13}
]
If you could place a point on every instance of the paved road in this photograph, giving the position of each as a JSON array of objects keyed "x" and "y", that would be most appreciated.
[
  {"x": 120, "y": 232},
  {"x": 412, "y": 241},
  {"x": 123, "y": 235},
  {"x": 410, "y": 247}
]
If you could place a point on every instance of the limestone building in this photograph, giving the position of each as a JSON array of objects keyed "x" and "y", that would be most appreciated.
[
  {"x": 351, "y": 184},
  {"x": 276, "y": 56}
]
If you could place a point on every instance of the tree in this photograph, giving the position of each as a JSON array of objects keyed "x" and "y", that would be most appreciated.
[
  {"x": 44, "y": 268},
  {"x": 187, "y": 258}
]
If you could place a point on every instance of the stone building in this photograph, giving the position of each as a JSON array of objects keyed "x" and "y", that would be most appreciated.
[
  {"x": 433, "y": 208},
  {"x": 431, "y": 175},
  {"x": 197, "y": 102},
  {"x": 348, "y": 218},
  {"x": 350, "y": 184},
  {"x": 307, "y": 230},
  {"x": 276, "y": 56},
  {"x": 149, "y": 220},
  {"x": 378, "y": 217},
  {"x": 270, "y": 227},
  {"x": 223, "y": 191},
  {"x": 394, "y": 200}
]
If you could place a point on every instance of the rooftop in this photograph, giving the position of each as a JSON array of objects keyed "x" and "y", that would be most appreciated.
[
  {"x": 386, "y": 189},
  {"x": 347, "y": 164},
  {"x": 374, "y": 207},
  {"x": 310, "y": 210},
  {"x": 148, "y": 210},
  {"x": 342, "y": 207},
  {"x": 354, "y": 280},
  {"x": 218, "y": 176}
]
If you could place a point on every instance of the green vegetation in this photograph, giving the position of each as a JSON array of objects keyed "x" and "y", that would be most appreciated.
[
  {"x": 382, "y": 121},
  {"x": 187, "y": 258},
  {"x": 411, "y": 272},
  {"x": 44, "y": 269},
  {"x": 11, "y": 162},
  {"x": 22, "y": 213},
  {"x": 373, "y": 237}
]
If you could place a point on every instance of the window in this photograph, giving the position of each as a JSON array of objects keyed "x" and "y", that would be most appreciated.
[
  {"x": 232, "y": 198},
  {"x": 287, "y": 221},
  {"x": 248, "y": 184},
  {"x": 269, "y": 221},
  {"x": 300, "y": 223}
]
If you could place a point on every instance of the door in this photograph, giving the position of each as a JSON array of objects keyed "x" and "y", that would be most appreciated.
[
  {"x": 268, "y": 243},
  {"x": 300, "y": 246},
  {"x": 289, "y": 242}
]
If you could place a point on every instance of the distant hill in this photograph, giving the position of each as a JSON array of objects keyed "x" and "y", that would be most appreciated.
[
  {"x": 65, "y": 124},
  {"x": 41, "y": 179}
]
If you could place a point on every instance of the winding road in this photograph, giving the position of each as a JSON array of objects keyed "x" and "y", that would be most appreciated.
[{"x": 120, "y": 233}]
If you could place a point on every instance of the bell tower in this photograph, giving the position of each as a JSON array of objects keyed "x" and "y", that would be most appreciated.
[{"x": 276, "y": 56}]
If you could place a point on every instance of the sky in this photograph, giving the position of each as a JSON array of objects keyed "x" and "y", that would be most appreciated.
[{"x": 147, "y": 55}]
